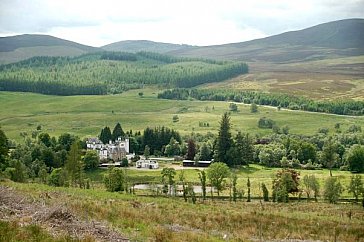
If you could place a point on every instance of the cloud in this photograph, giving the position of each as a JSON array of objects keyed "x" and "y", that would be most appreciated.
[{"x": 200, "y": 22}]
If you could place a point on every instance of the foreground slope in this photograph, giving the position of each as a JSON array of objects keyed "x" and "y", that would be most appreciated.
[
  {"x": 20, "y": 47},
  {"x": 168, "y": 219}
]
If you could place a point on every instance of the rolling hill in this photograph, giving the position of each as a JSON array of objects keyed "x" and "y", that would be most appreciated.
[
  {"x": 329, "y": 40},
  {"x": 145, "y": 45},
  {"x": 21, "y": 47}
]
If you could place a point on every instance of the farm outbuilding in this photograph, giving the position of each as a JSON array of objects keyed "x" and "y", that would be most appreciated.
[{"x": 191, "y": 163}]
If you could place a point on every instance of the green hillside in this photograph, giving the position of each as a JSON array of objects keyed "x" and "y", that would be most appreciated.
[
  {"x": 112, "y": 72},
  {"x": 21, "y": 47},
  {"x": 86, "y": 115}
]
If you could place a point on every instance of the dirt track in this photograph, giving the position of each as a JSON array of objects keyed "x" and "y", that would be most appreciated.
[{"x": 57, "y": 219}]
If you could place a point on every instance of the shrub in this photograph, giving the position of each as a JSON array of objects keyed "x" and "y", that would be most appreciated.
[
  {"x": 311, "y": 185},
  {"x": 286, "y": 181},
  {"x": 124, "y": 162},
  {"x": 233, "y": 107},
  {"x": 57, "y": 177},
  {"x": 354, "y": 128},
  {"x": 265, "y": 123},
  {"x": 356, "y": 186},
  {"x": 355, "y": 158},
  {"x": 175, "y": 118},
  {"x": 91, "y": 160},
  {"x": 16, "y": 171},
  {"x": 115, "y": 180},
  {"x": 332, "y": 190},
  {"x": 265, "y": 193},
  {"x": 253, "y": 108}
]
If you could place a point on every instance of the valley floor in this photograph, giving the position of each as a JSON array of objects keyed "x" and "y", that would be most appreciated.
[{"x": 84, "y": 116}]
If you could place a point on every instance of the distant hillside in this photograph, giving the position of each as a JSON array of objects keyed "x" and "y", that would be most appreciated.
[
  {"x": 112, "y": 72},
  {"x": 328, "y": 40},
  {"x": 20, "y": 47},
  {"x": 145, "y": 45}
]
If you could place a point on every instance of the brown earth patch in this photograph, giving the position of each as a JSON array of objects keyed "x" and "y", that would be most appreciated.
[{"x": 56, "y": 219}]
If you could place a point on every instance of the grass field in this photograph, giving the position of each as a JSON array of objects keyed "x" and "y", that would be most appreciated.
[
  {"x": 257, "y": 174},
  {"x": 86, "y": 115},
  {"x": 171, "y": 219}
]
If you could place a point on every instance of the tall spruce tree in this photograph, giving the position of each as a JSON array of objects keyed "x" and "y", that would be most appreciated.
[
  {"x": 248, "y": 149},
  {"x": 118, "y": 132},
  {"x": 224, "y": 142},
  {"x": 105, "y": 135}
]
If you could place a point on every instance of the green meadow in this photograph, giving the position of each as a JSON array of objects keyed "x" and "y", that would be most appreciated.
[
  {"x": 86, "y": 115},
  {"x": 256, "y": 173}
]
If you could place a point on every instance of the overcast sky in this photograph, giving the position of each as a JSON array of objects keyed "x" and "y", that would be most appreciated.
[{"x": 195, "y": 22}]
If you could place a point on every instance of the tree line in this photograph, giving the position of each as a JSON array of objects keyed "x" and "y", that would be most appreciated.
[{"x": 280, "y": 100}]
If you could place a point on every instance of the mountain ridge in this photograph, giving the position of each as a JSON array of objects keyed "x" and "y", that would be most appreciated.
[{"x": 334, "y": 39}]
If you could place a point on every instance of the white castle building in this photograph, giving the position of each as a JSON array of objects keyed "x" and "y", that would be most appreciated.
[{"x": 115, "y": 151}]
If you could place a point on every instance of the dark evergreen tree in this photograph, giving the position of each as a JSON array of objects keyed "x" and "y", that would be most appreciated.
[
  {"x": 247, "y": 149},
  {"x": 224, "y": 141},
  {"x": 105, "y": 135},
  {"x": 205, "y": 152},
  {"x": 118, "y": 132},
  {"x": 191, "y": 150}
]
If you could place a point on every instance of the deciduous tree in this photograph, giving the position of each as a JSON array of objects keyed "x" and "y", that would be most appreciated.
[{"x": 217, "y": 172}]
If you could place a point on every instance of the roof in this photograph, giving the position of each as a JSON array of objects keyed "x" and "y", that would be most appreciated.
[{"x": 188, "y": 161}]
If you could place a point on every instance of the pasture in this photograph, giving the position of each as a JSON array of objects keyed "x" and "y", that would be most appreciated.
[{"x": 86, "y": 115}]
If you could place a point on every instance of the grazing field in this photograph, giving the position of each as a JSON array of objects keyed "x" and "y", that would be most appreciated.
[
  {"x": 172, "y": 219},
  {"x": 257, "y": 174},
  {"x": 86, "y": 115}
]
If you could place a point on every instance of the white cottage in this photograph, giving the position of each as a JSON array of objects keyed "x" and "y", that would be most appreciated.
[{"x": 148, "y": 164}]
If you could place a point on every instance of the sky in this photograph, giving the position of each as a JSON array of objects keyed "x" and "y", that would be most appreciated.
[{"x": 194, "y": 22}]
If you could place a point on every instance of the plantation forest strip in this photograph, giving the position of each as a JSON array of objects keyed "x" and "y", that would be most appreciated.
[
  {"x": 341, "y": 107},
  {"x": 112, "y": 72}
]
